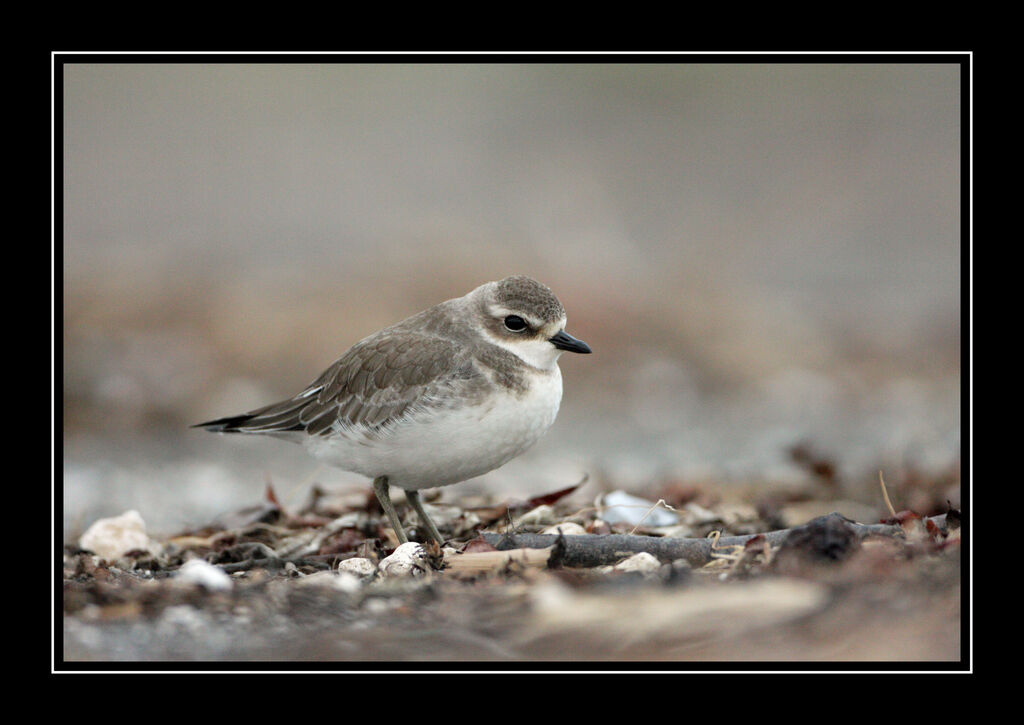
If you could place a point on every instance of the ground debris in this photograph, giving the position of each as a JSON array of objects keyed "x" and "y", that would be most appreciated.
[{"x": 547, "y": 578}]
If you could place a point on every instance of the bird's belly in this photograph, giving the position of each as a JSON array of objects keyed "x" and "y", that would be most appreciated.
[{"x": 446, "y": 445}]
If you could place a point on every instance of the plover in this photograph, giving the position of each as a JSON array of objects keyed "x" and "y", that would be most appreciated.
[{"x": 450, "y": 393}]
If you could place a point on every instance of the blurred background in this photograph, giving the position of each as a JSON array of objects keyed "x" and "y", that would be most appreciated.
[{"x": 765, "y": 259}]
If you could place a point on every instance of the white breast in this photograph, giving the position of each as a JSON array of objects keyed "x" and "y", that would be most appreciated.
[{"x": 442, "y": 446}]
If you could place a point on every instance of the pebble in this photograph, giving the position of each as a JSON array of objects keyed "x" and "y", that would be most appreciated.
[
  {"x": 539, "y": 516},
  {"x": 642, "y": 562},
  {"x": 409, "y": 559},
  {"x": 201, "y": 573},
  {"x": 357, "y": 565},
  {"x": 114, "y": 537},
  {"x": 568, "y": 528},
  {"x": 621, "y": 507}
]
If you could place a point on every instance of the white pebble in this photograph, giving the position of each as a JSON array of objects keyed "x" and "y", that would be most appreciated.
[
  {"x": 112, "y": 538},
  {"x": 409, "y": 559},
  {"x": 569, "y": 528},
  {"x": 621, "y": 507},
  {"x": 202, "y": 573},
  {"x": 642, "y": 562},
  {"x": 357, "y": 565},
  {"x": 540, "y": 516}
]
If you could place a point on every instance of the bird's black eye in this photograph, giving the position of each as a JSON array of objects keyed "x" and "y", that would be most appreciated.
[{"x": 515, "y": 323}]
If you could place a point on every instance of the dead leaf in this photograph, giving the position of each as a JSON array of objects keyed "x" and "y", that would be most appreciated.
[
  {"x": 477, "y": 545},
  {"x": 550, "y": 498},
  {"x": 271, "y": 496}
]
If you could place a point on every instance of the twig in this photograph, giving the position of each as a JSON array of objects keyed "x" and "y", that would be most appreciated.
[
  {"x": 885, "y": 495},
  {"x": 723, "y": 552},
  {"x": 659, "y": 502},
  {"x": 482, "y": 561}
]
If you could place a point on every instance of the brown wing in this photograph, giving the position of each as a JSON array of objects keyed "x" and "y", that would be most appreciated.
[{"x": 373, "y": 384}]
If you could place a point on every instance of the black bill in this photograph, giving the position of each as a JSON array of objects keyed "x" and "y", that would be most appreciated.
[{"x": 564, "y": 341}]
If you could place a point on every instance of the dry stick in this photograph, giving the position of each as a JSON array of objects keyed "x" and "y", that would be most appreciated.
[
  {"x": 660, "y": 502},
  {"x": 586, "y": 550},
  {"x": 720, "y": 552},
  {"x": 885, "y": 495}
]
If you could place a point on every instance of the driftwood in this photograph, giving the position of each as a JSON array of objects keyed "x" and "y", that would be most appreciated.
[
  {"x": 485, "y": 561},
  {"x": 587, "y": 550}
]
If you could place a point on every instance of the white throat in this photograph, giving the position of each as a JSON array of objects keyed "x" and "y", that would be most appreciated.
[{"x": 536, "y": 353}]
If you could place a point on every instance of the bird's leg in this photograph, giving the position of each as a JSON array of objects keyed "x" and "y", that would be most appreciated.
[
  {"x": 380, "y": 487},
  {"x": 414, "y": 499}
]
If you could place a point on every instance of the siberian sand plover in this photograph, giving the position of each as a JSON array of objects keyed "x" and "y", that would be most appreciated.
[{"x": 448, "y": 394}]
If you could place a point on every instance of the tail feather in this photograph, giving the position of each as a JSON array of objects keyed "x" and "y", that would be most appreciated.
[
  {"x": 231, "y": 424},
  {"x": 282, "y": 417}
]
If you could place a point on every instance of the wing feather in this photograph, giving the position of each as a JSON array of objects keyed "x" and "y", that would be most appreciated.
[{"x": 372, "y": 385}]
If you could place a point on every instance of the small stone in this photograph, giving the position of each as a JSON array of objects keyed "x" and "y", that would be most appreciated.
[
  {"x": 201, "y": 573},
  {"x": 568, "y": 528},
  {"x": 642, "y": 562},
  {"x": 112, "y": 538},
  {"x": 540, "y": 516},
  {"x": 409, "y": 559},
  {"x": 358, "y": 566},
  {"x": 621, "y": 507}
]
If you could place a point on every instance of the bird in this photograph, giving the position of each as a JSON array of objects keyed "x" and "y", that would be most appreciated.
[{"x": 443, "y": 396}]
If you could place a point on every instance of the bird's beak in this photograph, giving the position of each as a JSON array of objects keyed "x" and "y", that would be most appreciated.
[{"x": 564, "y": 341}]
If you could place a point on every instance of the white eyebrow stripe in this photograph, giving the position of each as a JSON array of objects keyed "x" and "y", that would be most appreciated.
[{"x": 505, "y": 312}]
